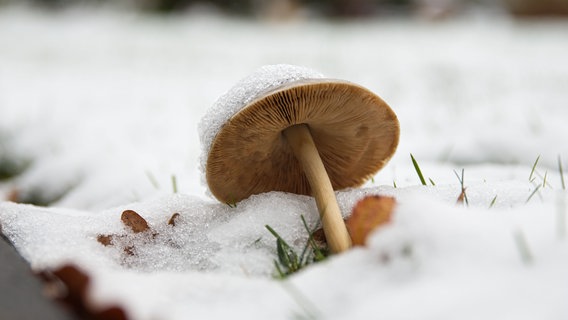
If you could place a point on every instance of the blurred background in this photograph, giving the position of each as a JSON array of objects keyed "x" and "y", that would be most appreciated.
[
  {"x": 339, "y": 9},
  {"x": 100, "y": 100}
]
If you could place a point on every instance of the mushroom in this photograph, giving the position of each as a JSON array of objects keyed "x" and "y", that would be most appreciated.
[{"x": 287, "y": 128}]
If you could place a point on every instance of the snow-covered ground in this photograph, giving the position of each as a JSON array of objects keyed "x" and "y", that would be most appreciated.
[{"x": 101, "y": 109}]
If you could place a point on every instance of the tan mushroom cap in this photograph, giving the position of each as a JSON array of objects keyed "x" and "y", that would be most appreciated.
[{"x": 354, "y": 130}]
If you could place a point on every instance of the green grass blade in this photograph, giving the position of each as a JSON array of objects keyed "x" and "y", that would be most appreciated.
[
  {"x": 463, "y": 188},
  {"x": 311, "y": 312},
  {"x": 286, "y": 256},
  {"x": 280, "y": 273},
  {"x": 561, "y": 173},
  {"x": 534, "y": 168},
  {"x": 460, "y": 179},
  {"x": 561, "y": 215},
  {"x": 276, "y": 235},
  {"x": 303, "y": 257},
  {"x": 231, "y": 203},
  {"x": 153, "y": 180},
  {"x": 431, "y": 181},
  {"x": 533, "y": 193},
  {"x": 174, "y": 184},
  {"x": 523, "y": 246},
  {"x": 493, "y": 202},
  {"x": 317, "y": 252},
  {"x": 283, "y": 257},
  {"x": 418, "y": 171}
]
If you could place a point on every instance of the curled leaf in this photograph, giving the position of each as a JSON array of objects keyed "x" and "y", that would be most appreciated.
[
  {"x": 368, "y": 214},
  {"x": 173, "y": 219}
]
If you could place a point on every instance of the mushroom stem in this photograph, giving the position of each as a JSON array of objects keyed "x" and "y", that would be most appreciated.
[{"x": 300, "y": 140}]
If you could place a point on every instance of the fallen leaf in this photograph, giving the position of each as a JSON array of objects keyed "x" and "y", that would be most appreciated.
[
  {"x": 134, "y": 221},
  {"x": 13, "y": 195},
  {"x": 173, "y": 219},
  {"x": 70, "y": 286},
  {"x": 105, "y": 240},
  {"x": 461, "y": 197},
  {"x": 368, "y": 214}
]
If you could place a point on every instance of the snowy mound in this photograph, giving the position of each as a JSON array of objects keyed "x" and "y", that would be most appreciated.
[
  {"x": 245, "y": 91},
  {"x": 433, "y": 255}
]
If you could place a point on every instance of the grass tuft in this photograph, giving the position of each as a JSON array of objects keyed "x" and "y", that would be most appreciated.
[{"x": 289, "y": 261}]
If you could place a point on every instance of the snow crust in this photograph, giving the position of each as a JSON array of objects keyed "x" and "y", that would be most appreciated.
[{"x": 99, "y": 110}]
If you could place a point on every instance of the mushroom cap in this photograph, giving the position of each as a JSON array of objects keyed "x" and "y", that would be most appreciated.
[
  {"x": 245, "y": 152},
  {"x": 354, "y": 130}
]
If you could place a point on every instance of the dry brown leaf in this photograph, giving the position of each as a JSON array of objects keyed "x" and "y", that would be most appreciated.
[
  {"x": 13, "y": 195},
  {"x": 461, "y": 197},
  {"x": 173, "y": 219},
  {"x": 70, "y": 286},
  {"x": 105, "y": 240},
  {"x": 368, "y": 214},
  {"x": 134, "y": 221}
]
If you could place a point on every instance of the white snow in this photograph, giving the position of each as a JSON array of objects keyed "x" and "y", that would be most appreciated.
[{"x": 103, "y": 108}]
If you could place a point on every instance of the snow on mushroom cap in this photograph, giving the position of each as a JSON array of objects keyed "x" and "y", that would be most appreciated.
[{"x": 246, "y": 90}]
